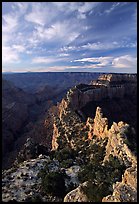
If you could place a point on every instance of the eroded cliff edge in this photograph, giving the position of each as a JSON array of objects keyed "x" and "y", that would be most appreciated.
[{"x": 96, "y": 129}]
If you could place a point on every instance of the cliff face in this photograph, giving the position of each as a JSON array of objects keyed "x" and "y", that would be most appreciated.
[
  {"x": 118, "y": 77},
  {"x": 15, "y": 112},
  {"x": 107, "y": 87}
]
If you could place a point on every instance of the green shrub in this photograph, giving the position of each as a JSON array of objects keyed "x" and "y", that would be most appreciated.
[
  {"x": 67, "y": 163},
  {"x": 95, "y": 192},
  {"x": 64, "y": 154},
  {"x": 54, "y": 184},
  {"x": 100, "y": 177},
  {"x": 36, "y": 198}
]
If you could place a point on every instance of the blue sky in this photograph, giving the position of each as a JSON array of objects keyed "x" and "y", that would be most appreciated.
[{"x": 69, "y": 36}]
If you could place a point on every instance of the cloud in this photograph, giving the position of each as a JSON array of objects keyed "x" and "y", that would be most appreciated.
[
  {"x": 19, "y": 48},
  {"x": 80, "y": 8},
  {"x": 47, "y": 60},
  {"x": 99, "y": 61},
  {"x": 10, "y": 26},
  {"x": 87, "y": 6},
  {"x": 10, "y": 22},
  {"x": 64, "y": 54},
  {"x": 9, "y": 55},
  {"x": 68, "y": 48},
  {"x": 112, "y": 8},
  {"x": 125, "y": 61},
  {"x": 59, "y": 31},
  {"x": 101, "y": 46},
  {"x": 39, "y": 14},
  {"x": 109, "y": 45}
]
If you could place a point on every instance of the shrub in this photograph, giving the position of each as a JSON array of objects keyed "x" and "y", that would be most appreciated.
[
  {"x": 54, "y": 184},
  {"x": 100, "y": 177},
  {"x": 95, "y": 192},
  {"x": 67, "y": 163},
  {"x": 64, "y": 154}
]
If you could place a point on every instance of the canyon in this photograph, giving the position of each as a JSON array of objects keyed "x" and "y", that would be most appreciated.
[{"x": 92, "y": 139}]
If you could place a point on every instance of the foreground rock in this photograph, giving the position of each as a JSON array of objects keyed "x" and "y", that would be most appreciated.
[
  {"x": 126, "y": 190},
  {"x": 76, "y": 195},
  {"x": 22, "y": 182}
]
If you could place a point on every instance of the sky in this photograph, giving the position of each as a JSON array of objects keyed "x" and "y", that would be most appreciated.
[{"x": 69, "y": 36}]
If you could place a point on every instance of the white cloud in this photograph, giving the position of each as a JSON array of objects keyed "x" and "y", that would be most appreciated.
[
  {"x": 100, "y": 61},
  {"x": 10, "y": 25},
  {"x": 87, "y": 6},
  {"x": 108, "y": 45},
  {"x": 80, "y": 7},
  {"x": 125, "y": 61},
  {"x": 19, "y": 48},
  {"x": 9, "y": 55},
  {"x": 10, "y": 22},
  {"x": 43, "y": 11},
  {"x": 59, "y": 31},
  {"x": 47, "y": 60},
  {"x": 38, "y": 15},
  {"x": 113, "y": 7},
  {"x": 63, "y": 54},
  {"x": 68, "y": 48}
]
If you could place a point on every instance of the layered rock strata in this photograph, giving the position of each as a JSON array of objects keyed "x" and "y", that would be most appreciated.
[{"x": 106, "y": 87}]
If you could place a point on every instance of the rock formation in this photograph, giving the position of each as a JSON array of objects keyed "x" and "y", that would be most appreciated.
[
  {"x": 126, "y": 190},
  {"x": 76, "y": 195},
  {"x": 109, "y": 86}
]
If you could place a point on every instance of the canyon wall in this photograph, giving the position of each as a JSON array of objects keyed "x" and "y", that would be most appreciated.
[{"x": 124, "y": 85}]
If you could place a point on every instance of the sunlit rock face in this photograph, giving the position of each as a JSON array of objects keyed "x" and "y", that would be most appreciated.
[{"x": 126, "y": 190}]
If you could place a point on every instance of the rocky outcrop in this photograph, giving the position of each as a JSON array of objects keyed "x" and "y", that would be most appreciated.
[
  {"x": 97, "y": 126},
  {"x": 117, "y": 144},
  {"x": 76, "y": 195},
  {"x": 100, "y": 127},
  {"x": 21, "y": 183},
  {"x": 55, "y": 137},
  {"x": 66, "y": 124},
  {"x": 117, "y": 137},
  {"x": 72, "y": 172},
  {"x": 126, "y": 190},
  {"x": 62, "y": 108}
]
